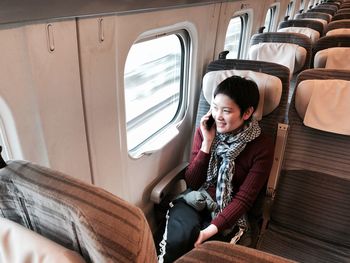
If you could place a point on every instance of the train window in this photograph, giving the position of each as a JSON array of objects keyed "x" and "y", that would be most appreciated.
[
  {"x": 234, "y": 35},
  {"x": 269, "y": 18},
  {"x": 154, "y": 82},
  {"x": 311, "y": 4},
  {"x": 289, "y": 9},
  {"x": 4, "y": 142},
  {"x": 302, "y": 4}
]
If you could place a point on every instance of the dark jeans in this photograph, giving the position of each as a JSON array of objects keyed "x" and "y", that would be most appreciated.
[{"x": 181, "y": 230}]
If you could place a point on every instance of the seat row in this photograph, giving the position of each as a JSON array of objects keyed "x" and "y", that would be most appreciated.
[
  {"x": 299, "y": 133},
  {"x": 300, "y": 225},
  {"x": 336, "y": 9},
  {"x": 299, "y": 50},
  {"x": 307, "y": 222}
]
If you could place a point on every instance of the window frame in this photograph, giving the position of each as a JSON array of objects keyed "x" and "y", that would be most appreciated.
[
  {"x": 6, "y": 152},
  {"x": 302, "y": 5},
  {"x": 272, "y": 11},
  {"x": 147, "y": 146},
  {"x": 311, "y": 4},
  {"x": 290, "y": 9},
  {"x": 244, "y": 26}
]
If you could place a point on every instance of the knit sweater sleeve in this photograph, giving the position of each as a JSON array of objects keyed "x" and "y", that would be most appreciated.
[
  {"x": 196, "y": 172},
  {"x": 258, "y": 156}
]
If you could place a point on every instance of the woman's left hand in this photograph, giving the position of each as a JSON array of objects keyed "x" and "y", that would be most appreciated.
[{"x": 206, "y": 233}]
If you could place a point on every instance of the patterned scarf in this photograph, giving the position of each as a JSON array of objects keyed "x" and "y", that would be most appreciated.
[{"x": 226, "y": 147}]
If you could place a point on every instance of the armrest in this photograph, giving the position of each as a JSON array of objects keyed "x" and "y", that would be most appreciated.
[{"x": 164, "y": 186}]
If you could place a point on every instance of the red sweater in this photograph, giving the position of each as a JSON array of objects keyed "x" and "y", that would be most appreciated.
[{"x": 252, "y": 169}]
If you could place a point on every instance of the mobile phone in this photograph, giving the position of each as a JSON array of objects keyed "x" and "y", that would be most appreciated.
[{"x": 210, "y": 122}]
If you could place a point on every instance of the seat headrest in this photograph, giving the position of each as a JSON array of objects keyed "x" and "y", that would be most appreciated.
[
  {"x": 324, "y": 104},
  {"x": 323, "y": 21},
  {"x": 37, "y": 249},
  {"x": 338, "y": 31},
  {"x": 332, "y": 58},
  {"x": 290, "y": 55},
  {"x": 270, "y": 88},
  {"x": 313, "y": 34}
]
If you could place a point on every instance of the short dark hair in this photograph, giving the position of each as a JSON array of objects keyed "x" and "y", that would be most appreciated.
[{"x": 243, "y": 92}]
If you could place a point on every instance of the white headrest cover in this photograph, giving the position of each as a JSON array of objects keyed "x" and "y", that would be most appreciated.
[
  {"x": 333, "y": 58},
  {"x": 19, "y": 244},
  {"x": 270, "y": 88},
  {"x": 313, "y": 34},
  {"x": 338, "y": 31},
  {"x": 324, "y": 104},
  {"x": 287, "y": 54}
]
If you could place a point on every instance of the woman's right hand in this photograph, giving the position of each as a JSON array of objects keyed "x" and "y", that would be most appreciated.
[{"x": 208, "y": 133}]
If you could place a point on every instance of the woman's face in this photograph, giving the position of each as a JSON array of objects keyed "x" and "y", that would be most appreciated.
[{"x": 227, "y": 114}]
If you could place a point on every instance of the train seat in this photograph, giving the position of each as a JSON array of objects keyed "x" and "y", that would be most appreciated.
[
  {"x": 270, "y": 77},
  {"x": 330, "y": 51},
  {"x": 309, "y": 219},
  {"x": 36, "y": 246},
  {"x": 339, "y": 31},
  {"x": 332, "y": 58},
  {"x": 345, "y": 5},
  {"x": 84, "y": 218},
  {"x": 328, "y": 3},
  {"x": 322, "y": 10},
  {"x": 341, "y": 16},
  {"x": 215, "y": 251},
  {"x": 321, "y": 17},
  {"x": 311, "y": 28},
  {"x": 343, "y": 11},
  {"x": 340, "y": 27},
  {"x": 292, "y": 50}
]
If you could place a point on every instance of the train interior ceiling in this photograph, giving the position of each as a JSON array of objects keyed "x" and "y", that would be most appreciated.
[{"x": 109, "y": 93}]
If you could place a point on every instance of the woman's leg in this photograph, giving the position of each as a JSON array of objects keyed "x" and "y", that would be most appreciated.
[{"x": 181, "y": 231}]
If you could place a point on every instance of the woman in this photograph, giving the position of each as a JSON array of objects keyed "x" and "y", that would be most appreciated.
[{"x": 231, "y": 160}]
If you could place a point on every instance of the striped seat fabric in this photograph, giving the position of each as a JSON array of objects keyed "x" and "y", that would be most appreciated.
[
  {"x": 341, "y": 16},
  {"x": 215, "y": 251},
  {"x": 343, "y": 11},
  {"x": 314, "y": 15},
  {"x": 98, "y": 225},
  {"x": 310, "y": 216},
  {"x": 322, "y": 9}
]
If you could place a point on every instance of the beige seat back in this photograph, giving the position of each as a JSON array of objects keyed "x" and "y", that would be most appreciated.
[{"x": 330, "y": 51}]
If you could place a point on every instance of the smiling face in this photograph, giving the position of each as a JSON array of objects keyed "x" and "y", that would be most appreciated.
[{"x": 227, "y": 114}]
